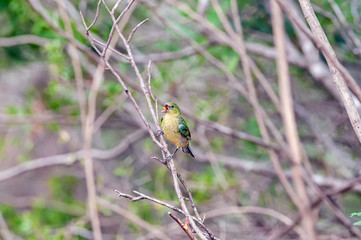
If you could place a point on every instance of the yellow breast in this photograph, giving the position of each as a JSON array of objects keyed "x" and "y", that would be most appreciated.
[{"x": 170, "y": 127}]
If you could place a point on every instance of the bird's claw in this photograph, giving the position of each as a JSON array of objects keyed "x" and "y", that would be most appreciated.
[
  {"x": 167, "y": 159},
  {"x": 160, "y": 132}
]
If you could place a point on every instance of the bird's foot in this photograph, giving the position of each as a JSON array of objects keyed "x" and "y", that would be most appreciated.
[
  {"x": 167, "y": 159},
  {"x": 160, "y": 132}
]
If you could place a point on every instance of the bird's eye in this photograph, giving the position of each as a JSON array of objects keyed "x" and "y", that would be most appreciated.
[{"x": 171, "y": 107}]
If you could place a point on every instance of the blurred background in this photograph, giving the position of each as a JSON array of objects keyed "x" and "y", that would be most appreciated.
[{"x": 47, "y": 71}]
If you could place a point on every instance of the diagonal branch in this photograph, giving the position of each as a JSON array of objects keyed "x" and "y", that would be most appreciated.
[{"x": 339, "y": 72}]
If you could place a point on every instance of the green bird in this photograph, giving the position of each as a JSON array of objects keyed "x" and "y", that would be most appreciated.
[{"x": 175, "y": 128}]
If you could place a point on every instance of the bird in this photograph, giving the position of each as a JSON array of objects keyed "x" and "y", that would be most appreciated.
[{"x": 175, "y": 128}]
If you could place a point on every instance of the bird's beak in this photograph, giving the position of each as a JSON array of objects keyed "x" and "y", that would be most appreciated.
[{"x": 165, "y": 109}]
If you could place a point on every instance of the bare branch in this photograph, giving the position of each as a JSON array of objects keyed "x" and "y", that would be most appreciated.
[
  {"x": 346, "y": 26},
  {"x": 133, "y": 218},
  {"x": 116, "y": 6},
  {"x": 70, "y": 158},
  {"x": 185, "y": 226},
  {"x": 288, "y": 116},
  {"x": 23, "y": 39},
  {"x": 135, "y": 29},
  {"x": 112, "y": 49},
  {"x": 95, "y": 17},
  {"x": 178, "y": 210}
]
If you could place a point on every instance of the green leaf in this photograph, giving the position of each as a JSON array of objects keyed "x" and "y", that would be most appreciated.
[
  {"x": 122, "y": 171},
  {"x": 356, "y": 214},
  {"x": 232, "y": 63}
]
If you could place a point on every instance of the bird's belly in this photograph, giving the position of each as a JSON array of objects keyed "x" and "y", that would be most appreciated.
[
  {"x": 176, "y": 138},
  {"x": 170, "y": 128}
]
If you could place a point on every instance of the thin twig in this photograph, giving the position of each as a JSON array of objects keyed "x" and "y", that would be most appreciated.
[
  {"x": 185, "y": 227},
  {"x": 108, "y": 112},
  {"x": 346, "y": 26},
  {"x": 23, "y": 39},
  {"x": 115, "y": 24},
  {"x": 133, "y": 218},
  {"x": 135, "y": 29},
  {"x": 95, "y": 17},
  {"x": 116, "y": 6},
  {"x": 178, "y": 210},
  {"x": 191, "y": 200},
  {"x": 111, "y": 49}
]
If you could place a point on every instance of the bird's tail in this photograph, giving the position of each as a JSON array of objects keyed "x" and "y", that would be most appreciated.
[{"x": 187, "y": 150}]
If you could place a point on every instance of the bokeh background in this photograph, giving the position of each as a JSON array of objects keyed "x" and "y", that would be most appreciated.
[{"x": 43, "y": 192}]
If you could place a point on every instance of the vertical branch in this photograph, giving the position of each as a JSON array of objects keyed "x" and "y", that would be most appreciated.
[
  {"x": 87, "y": 119},
  {"x": 246, "y": 65},
  {"x": 74, "y": 60},
  {"x": 290, "y": 121},
  {"x": 88, "y": 159},
  {"x": 89, "y": 125}
]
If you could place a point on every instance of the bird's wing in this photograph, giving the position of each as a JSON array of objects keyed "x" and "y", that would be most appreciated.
[
  {"x": 161, "y": 120},
  {"x": 183, "y": 128}
]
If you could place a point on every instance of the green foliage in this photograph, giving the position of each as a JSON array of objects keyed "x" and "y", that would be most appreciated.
[
  {"x": 59, "y": 95},
  {"x": 146, "y": 212},
  {"x": 56, "y": 55},
  {"x": 204, "y": 180},
  {"x": 356, "y": 214},
  {"x": 54, "y": 127},
  {"x": 258, "y": 19},
  {"x": 162, "y": 184},
  {"x": 111, "y": 90},
  {"x": 250, "y": 149},
  {"x": 42, "y": 218},
  {"x": 39, "y": 220},
  {"x": 352, "y": 202},
  {"x": 166, "y": 46},
  {"x": 252, "y": 128},
  {"x": 124, "y": 168},
  {"x": 217, "y": 144},
  {"x": 213, "y": 17},
  {"x": 62, "y": 188},
  {"x": 12, "y": 110},
  {"x": 20, "y": 19}
]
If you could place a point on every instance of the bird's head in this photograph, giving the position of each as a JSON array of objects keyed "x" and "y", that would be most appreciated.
[{"x": 171, "y": 108}]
